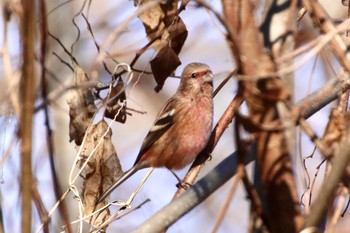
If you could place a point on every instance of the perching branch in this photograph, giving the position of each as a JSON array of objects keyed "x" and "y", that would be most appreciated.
[{"x": 193, "y": 196}]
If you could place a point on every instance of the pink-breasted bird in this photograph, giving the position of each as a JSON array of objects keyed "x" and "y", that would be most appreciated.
[{"x": 181, "y": 129}]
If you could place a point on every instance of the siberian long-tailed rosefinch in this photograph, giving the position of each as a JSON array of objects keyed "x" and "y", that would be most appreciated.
[{"x": 181, "y": 129}]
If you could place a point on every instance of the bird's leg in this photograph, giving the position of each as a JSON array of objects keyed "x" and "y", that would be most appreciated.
[
  {"x": 181, "y": 184},
  {"x": 210, "y": 157}
]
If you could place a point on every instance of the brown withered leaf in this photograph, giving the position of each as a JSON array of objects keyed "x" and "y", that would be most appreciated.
[
  {"x": 177, "y": 34},
  {"x": 81, "y": 107},
  {"x": 163, "y": 65},
  {"x": 114, "y": 102},
  {"x": 162, "y": 22},
  {"x": 102, "y": 169},
  {"x": 153, "y": 21}
]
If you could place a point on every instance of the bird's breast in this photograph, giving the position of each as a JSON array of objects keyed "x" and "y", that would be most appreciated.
[{"x": 186, "y": 138}]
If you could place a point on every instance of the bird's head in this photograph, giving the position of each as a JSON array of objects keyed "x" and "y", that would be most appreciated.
[{"x": 196, "y": 77}]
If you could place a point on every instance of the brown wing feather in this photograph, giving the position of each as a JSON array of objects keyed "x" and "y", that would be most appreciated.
[{"x": 164, "y": 121}]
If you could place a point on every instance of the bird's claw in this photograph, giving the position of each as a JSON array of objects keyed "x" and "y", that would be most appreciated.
[
  {"x": 210, "y": 157},
  {"x": 184, "y": 185}
]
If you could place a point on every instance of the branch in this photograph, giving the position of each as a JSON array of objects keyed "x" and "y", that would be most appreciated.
[
  {"x": 27, "y": 109},
  {"x": 320, "y": 205},
  {"x": 321, "y": 97},
  {"x": 325, "y": 24},
  {"x": 50, "y": 143},
  {"x": 262, "y": 98},
  {"x": 194, "y": 195}
]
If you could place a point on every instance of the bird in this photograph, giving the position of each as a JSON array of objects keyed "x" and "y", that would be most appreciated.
[{"x": 181, "y": 129}]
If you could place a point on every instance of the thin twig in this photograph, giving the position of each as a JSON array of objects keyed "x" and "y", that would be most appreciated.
[
  {"x": 74, "y": 61},
  {"x": 325, "y": 24},
  {"x": 319, "y": 206},
  {"x": 307, "y": 209},
  {"x": 50, "y": 143},
  {"x": 95, "y": 42},
  {"x": 114, "y": 35},
  {"x": 40, "y": 207},
  {"x": 223, "y": 83}
]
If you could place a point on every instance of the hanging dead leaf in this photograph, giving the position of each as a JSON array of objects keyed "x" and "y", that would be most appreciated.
[
  {"x": 81, "y": 107},
  {"x": 162, "y": 22},
  {"x": 177, "y": 33},
  {"x": 115, "y": 102},
  {"x": 153, "y": 21},
  {"x": 163, "y": 65},
  {"x": 100, "y": 172}
]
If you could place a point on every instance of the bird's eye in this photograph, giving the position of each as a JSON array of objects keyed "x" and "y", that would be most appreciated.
[{"x": 194, "y": 75}]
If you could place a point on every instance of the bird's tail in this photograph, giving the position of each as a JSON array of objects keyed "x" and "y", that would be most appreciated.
[{"x": 120, "y": 180}]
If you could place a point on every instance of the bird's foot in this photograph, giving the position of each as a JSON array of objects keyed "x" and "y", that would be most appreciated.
[
  {"x": 184, "y": 185},
  {"x": 210, "y": 157}
]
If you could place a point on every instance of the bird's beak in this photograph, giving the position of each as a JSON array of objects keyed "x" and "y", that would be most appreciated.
[{"x": 209, "y": 77}]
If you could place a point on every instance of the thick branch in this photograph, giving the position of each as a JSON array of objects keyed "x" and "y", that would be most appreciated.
[
  {"x": 193, "y": 196},
  {"x": 27, "y": 105},
  {"x": 282, "y": 213}
]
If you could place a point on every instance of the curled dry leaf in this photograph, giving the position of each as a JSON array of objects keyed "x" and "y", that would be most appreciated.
[
  {"x": 152, "y": 21},
  {"x": 116, "y": 105},
  {"x": 155, "y": 20},
  {"x": 163, "y": 65},
  {"x": 177, "y": 33},
  {"x": 162, "y": 22},
  {"x": 81, "y": 107},
  {"x": 100, "y": 172}
]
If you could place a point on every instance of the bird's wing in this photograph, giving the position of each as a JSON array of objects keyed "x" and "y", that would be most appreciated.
[{"x": 164, "y": 121}]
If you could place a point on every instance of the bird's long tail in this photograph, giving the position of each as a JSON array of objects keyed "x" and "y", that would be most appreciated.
[{"x": 121, "y": 180}]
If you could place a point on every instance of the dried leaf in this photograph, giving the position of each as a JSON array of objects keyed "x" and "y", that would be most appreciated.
[
  {"x": 152, "y": 20},
  {"x": 81, "y": 107},
  {"x": 178, "y": 34},
  {"x": 162, "y": 21},
  {"x": 163, "y": 65},
  {"x": 101, "y": 171},
  {"x": 115, "y": 100}
]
